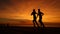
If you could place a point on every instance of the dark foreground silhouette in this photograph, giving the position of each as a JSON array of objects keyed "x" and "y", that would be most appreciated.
[
  {"x": 40, "y": 14},
  {"x": 27, "y": 30},
  {"x": 34, "y": 18}
]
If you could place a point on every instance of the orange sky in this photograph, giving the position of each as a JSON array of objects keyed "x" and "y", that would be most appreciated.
[{"x": 21, "y": 9}]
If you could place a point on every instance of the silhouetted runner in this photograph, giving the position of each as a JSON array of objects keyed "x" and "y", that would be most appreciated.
[
  {"x": 34, "y": 18},
  {"x": 40, "y": 14}
]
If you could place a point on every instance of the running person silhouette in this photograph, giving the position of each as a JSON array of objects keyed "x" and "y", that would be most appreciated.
[
  {"x": 40, "y": 14},
  {"x": 34, "y": 18}
]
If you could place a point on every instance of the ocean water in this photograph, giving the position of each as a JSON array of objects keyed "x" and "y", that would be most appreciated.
[{"x": 26, "y": 23}]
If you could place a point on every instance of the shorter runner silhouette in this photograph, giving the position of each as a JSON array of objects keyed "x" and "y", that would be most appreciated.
[{"x": 34, "y": 18}]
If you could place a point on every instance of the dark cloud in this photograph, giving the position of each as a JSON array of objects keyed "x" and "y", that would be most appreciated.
[
  {"x": 4, "y": 4},
  {"x": 5, "y": 1}
]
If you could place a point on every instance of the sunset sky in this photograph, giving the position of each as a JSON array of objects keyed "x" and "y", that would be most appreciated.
[{"x": 21, "y": 9}]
